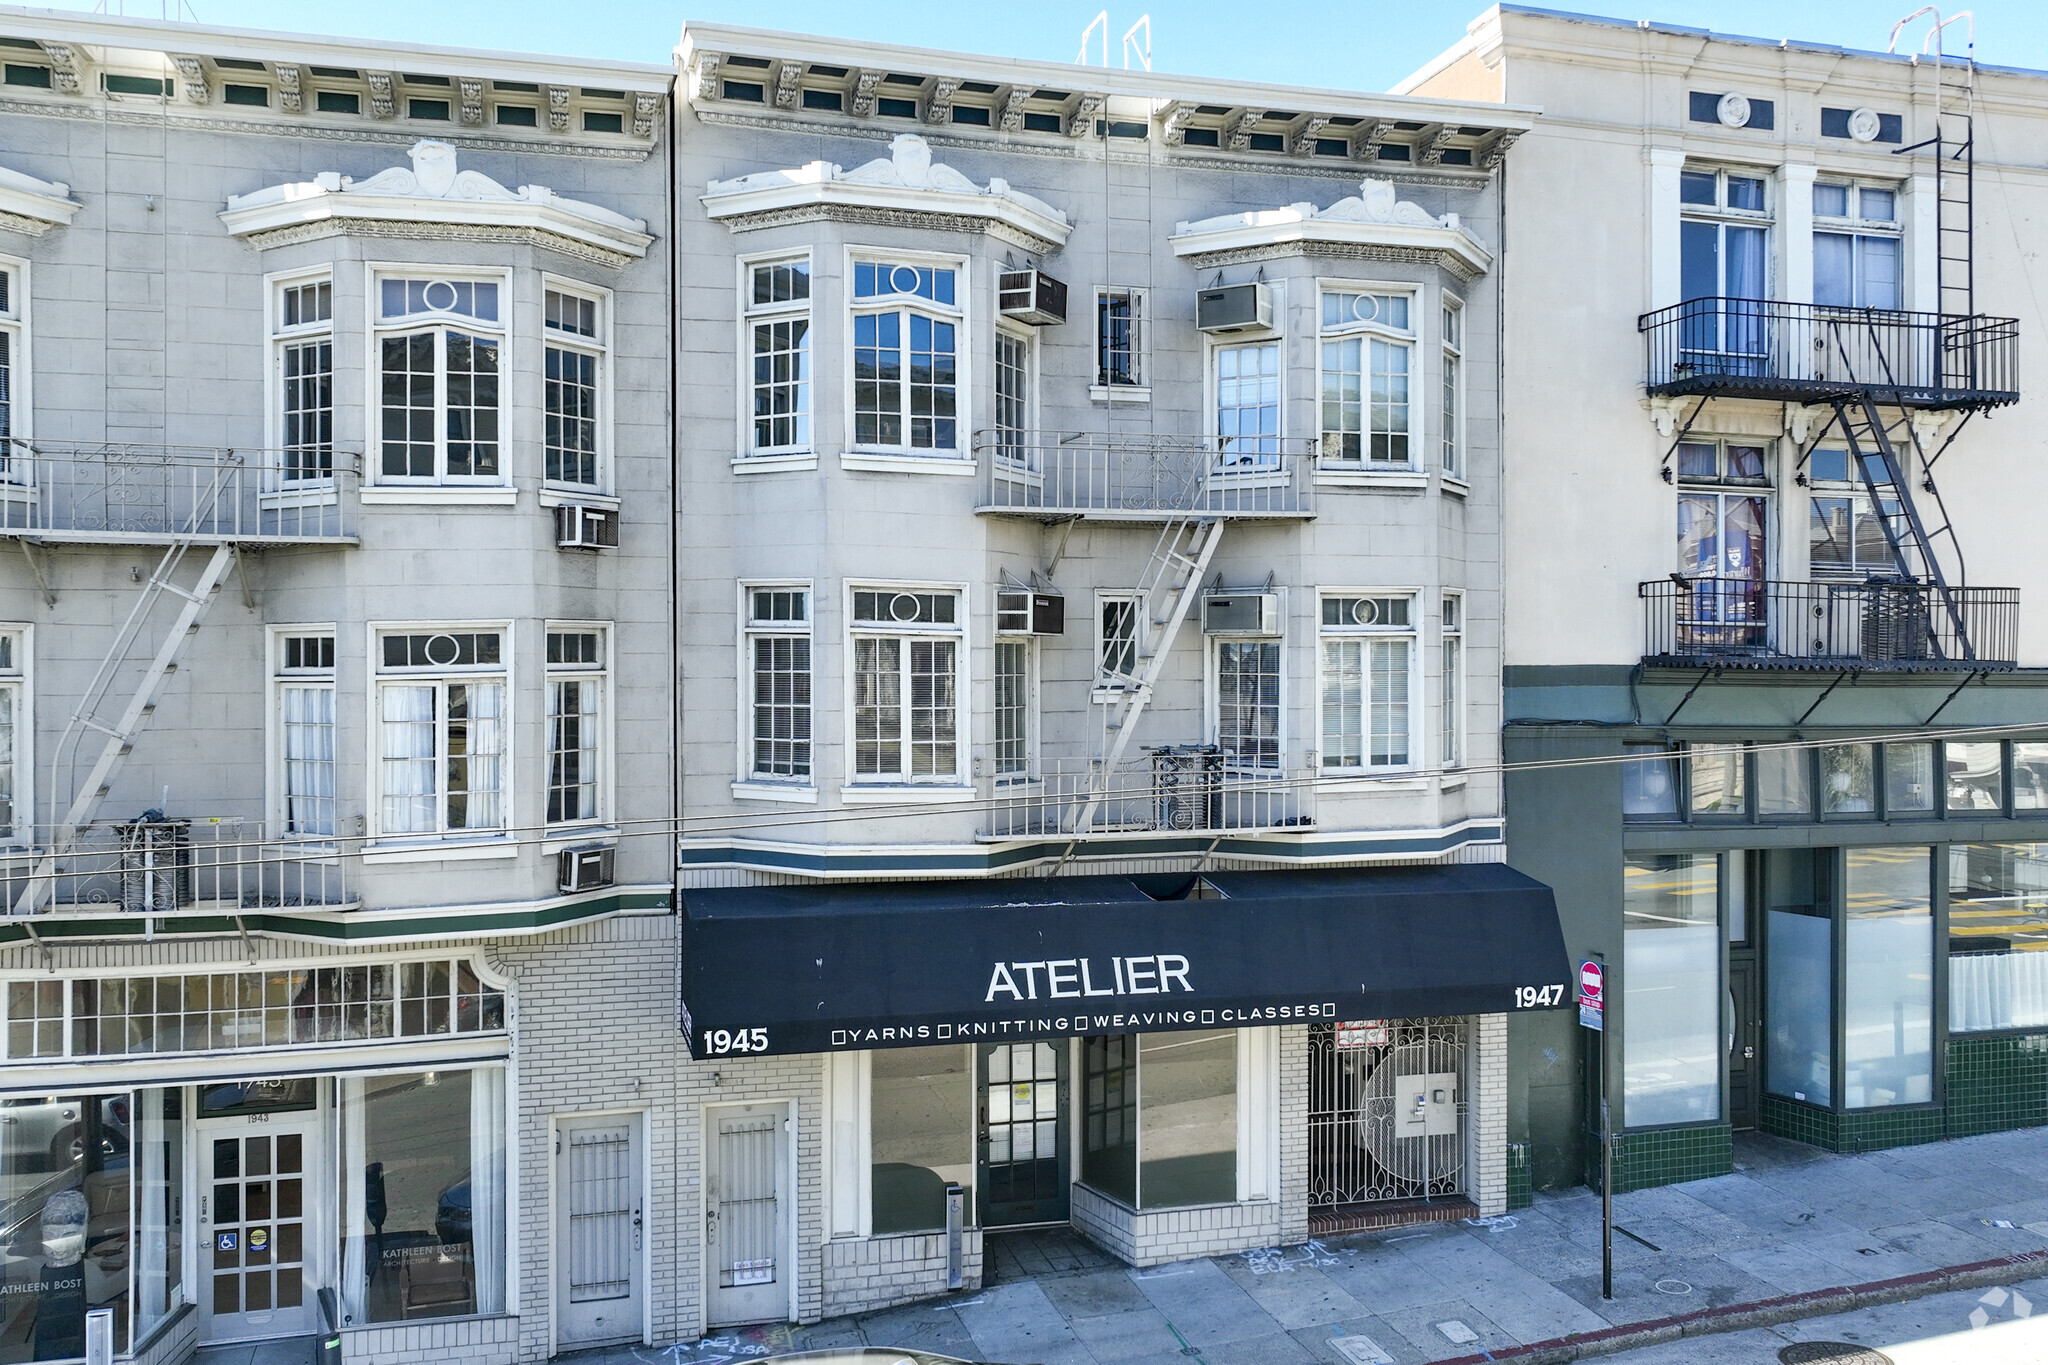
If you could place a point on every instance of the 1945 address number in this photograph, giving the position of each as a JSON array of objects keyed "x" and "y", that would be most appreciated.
[{"x": 718, "y": 1042}]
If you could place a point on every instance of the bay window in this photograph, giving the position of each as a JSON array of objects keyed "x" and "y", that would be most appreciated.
[
  {"x": 906, "y": 651},
  {"x": 1367, "y": 354},
  {"x": 1013, "y": 394},
  {"x": 778, "y": 329},
  {"x": 574, "y": 324},
  {"x": 1367, "y": 662},
  {"x": 906, "y": 354},
  {"x": 442, "y": 733},
  {"x": 1453, "y": 690},
  {"x": 1013, "y": 709},
  {"x": 439, "y": 346},
  {"x": 1452, "y": 442}
]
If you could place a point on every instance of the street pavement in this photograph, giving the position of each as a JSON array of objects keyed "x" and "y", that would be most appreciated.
[{"x": 1761, "y": 1246}]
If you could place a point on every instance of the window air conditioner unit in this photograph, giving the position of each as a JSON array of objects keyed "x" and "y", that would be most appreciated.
[
  {"x": 584, "y": 869},
  {"x": 1234, "y": 308},
  {"x": 1020, "y": 611},
  {"x": 586, "y": 528},
  {"x": 1031, "y": 296},
  {"x": 1241, "y": 613}
]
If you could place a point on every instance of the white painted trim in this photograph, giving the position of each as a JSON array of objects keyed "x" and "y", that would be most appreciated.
[
  {"x": 747, "y": 785},
  {"x": 1663, "y": 257},
  {"x": 430, "y": 495},
  {"x": 20, "y": 841},
  {"x": 853, "y": 791},
  {"x": 439, "y": 851},
  {"x": 599, "y": 346},
  {"x": 48, "y": 202},
  {"x": 1291, "y": 227},
  {"x": 960, "y": 313},
  {"x": 953, "y": 466},
  {"x": 1337, "y": 476},
  {"x": 562, "y": 495},
  {"x": 747, "y": 316},
  {"x": 1258, "y": 1115},
  {"x": 775, "y": 791},
  {"x": 876, "y": 794},
  {"x": 773, "y": 464},
  {"x": 568, "y": 832}
]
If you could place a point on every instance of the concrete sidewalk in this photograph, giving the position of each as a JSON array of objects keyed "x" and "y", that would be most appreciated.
[{"x": 1776, "y": 1241}]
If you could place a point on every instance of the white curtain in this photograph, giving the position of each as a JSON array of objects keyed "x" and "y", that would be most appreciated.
[
  {"x": 408, "y": 759},
  {"x": 355, "y": 1229},
  {"x": 7, "y": 696},
  {"x": 1997, "y": 990},
  {"x": 478, "y": 709},
  {"x": 309, "y": 760},
  {"x": 153, "y": 1174},
  {"x": 487, "y": 1185}
]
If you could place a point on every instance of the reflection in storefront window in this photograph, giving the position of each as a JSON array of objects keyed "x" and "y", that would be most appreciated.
[
  {"x": 1997, "y": 935},
  {"x": 64, "y": 1222},
  {"x": 1187, "y": 1118},
  {"x": 1671, "y": 985},
  {"x": 1976, "y": 778},
  {"x": 1784, "y": 783},
  {"x": 423, "y": 1195},
  {"x": 1888, "y": 1023},
  {"x": 922, "y": 1103},
  {"x": 1109, "y": 1115},
  {"x": 1848, "y": 779}
]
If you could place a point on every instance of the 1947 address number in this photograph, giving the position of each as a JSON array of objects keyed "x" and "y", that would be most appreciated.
[
  {"x": 718, "y": 1042},
  {"x": 1538, "y": 997}
]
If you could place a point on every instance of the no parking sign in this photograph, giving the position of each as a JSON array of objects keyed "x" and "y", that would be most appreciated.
[{"x": 1592, "y": 996}]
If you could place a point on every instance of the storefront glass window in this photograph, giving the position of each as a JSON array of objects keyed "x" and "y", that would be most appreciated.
[
  {"x": 159, "y": 1167},
  {"x": 64, "y": 1168},
  {"x": 1671, "y": 991},
  {"x": 2030, "y": 776},
  {"x": 921, "y": 1100},
  {"x": 1784, "y": 783},
  {"x": 423, "y": 1195},
  {"x": 1888, "y": 1032},
  {"x": 1649, "y": 790},
  {"x": 1909, "y": 785},
  {"x": 1109, "y": 1115},
  {"x": 1976, "y": 780},
  {"x": 1799, "y": 1004},
  {"x": 1187, "y": 1118},
  {"x": 1997, "y": 936},
  {"x": 1718, "y": 785},
  {"x": 1848, "y": 779}
]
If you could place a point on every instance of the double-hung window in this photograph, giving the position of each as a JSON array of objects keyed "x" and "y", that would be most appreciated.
[
  {"x": 574, "y": 325},
  {"x": 1723, "y": 510},
  {"x": 16, "y": 735},
  {"x": 1014, "y": 699},
  {"x": 1013, "y": 395},
  {"x": 443, "y": 733},
  {"x": 303, "y": 660},
  {"x": 1452, "y": 442},
  {"x": 303, "y": 354},
  {"x": 440, "y": 344},
  {"x": 1723, "y": 250},
  {"x": 1452, "y": 744},
  {"x": 577, "y": 659},
  {"x": 1368, "y": 345},
  {"x": 1120, "y": 340},
  {"x": 906, "y": 357},
  {"x": 13, "y": 358},
  {"x": 778, "y": 328},
  {"x": 907, "y": 649},
  {"x": 778, "y": 648},
  {"x": 1844, "y": 538},
  {"x": 1248, "y": 702},
  {"x": 1368, "y": 660},
  {"x": 1855, "y": 245},
  {"x": 1248, "y": 404}
]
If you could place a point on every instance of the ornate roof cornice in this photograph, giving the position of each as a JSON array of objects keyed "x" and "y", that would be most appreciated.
[
  {"x": 435, "y": 199},
  {"x": 32, "y": 206},
  {"x": 1376, "y": 218}
]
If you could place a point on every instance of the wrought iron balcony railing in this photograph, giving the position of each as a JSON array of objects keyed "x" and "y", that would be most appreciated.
[
  {"x": 180, "y": 867},
  {"x": 1193, "y": 788},
  {"x": 1876, "y": 625},
  {"x": 123, "y": 494},
  {"x": 1807, "y": 352},
  {"x": 1109, "y": 476}
]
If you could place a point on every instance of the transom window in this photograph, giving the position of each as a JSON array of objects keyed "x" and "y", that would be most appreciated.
[
  {"x": 439, "y": 348},
  {"x": 906, "y": 347},
  {"x": 574, "y": 351},
  {"x": 304, "y": 361},
  {"x": 1367, "y": 358},
  {"x": 442, "y": 733},
  {"x": 778, "y": 647},
  {"x": 778, "y": 324},
  {"x": 906, "y": 686},
  {"x": 1367, "y": 662}
]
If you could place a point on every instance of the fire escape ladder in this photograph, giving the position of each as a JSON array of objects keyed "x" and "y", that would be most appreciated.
[
  {"x": 97, "y": 700},
  {"x": 1166, "y": 595},
  {"x": 1884, "y": 477}
]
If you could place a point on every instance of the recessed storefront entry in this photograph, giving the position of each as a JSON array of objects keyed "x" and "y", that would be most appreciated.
[
  {"x": 255, "y": 1232},
  {"x": 1023, "y": 1146}
]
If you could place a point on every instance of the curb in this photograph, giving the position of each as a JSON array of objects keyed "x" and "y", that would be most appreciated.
[{"x": 1763, "y": 1312}]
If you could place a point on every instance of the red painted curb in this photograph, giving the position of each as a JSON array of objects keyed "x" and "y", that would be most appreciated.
[{"x": 1658, "y": 1326}]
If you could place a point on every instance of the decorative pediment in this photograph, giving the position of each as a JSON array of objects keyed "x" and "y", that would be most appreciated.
[
  {"x": 1374, "y": 223},
  {"x": 435, "y": 199},
  {"x": 32, "y": 206},
  {"x": 906, "y": 188}
]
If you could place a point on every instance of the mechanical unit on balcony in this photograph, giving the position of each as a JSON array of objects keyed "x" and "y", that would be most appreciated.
[
  {"x": 1031, "y": 296},
  {"x": 156, "y": 863},
  {"x": 583, "y": 869},
  {"x": 1234, "y": 308},
  {"x": 1020, "y": 611},
  {"x": 1241, "y": 613},
  {"x": 586, "y": 528}
]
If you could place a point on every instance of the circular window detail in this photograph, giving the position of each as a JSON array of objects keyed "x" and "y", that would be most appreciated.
[
  {"x": 440, "y": 296},
  {"x": 1365, "y": 612},
  {"x": 443, "y": 650},
  {"x": 903, "y": 279},
  {"x": 1365, "y": 307},
  {"x": 903, "y": 607},
  {"x": 1733, "y": 110}
]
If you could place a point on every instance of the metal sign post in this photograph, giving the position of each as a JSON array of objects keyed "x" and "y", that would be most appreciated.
[{"x": 1593, "y": 1015}]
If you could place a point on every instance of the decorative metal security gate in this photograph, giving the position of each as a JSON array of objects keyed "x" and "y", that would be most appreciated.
[{"x": 1386, "y": 1110}]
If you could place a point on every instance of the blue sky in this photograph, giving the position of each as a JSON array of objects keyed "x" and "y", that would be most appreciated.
[{"x": 1357, "y": 44}]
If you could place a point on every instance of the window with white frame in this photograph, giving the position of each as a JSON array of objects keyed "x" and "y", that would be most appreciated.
[
  {"x": 1368, "y": 658},
  {"x": 906, "y": 648},
  {"x": 1368, "y": 352},
  {"x": 906, "y": 355},
  {"x": 576, "y": 690},
  {"x": 1453, "y": 694},
  {"x": 303, "y": 349},
  {"x": 1248, "y": 403},
  {"x": 304, "y": 682},
  {"x": 443, "y": 730},
  {"x": 1844, "y": 535},
  {"x": 778, "y": 324},
  {"x": 16, "y": 735},
  {"x": 574, "y": 327},
  {"x": 1013, "y": 707},
  {"x": 1248, "y": 702},
  {"x": 1013, "y": 394},
  {"x": 778, "y": 646},
  {"x": 1452, "y": 442},
  {"x": 13, "y": 360},
  {"x": 1723, "y": 252},
  {"x": 439, "y": 347},
  {"x": 1120, "y": 338},
  {"x": 1116, "y": 639},
  {"x": 1856, "y": 235}
]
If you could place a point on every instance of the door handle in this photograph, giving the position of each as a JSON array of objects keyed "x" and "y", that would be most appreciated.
[
  {"x": 710, "y": 1226},
  {"x": 1748, "y": 1052}
]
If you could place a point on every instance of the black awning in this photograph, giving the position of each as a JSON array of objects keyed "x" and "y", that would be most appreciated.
[{"x": 787, "y": 969}]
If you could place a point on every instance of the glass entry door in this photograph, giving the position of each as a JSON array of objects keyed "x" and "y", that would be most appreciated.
[
  {"x": 1022, "y": 1147},
  {"x": 255, "y": 1238}
]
